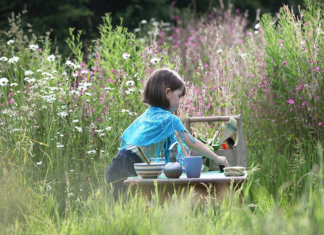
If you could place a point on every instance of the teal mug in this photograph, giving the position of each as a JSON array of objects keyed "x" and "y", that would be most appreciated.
[{"x": 193, "y": 165}]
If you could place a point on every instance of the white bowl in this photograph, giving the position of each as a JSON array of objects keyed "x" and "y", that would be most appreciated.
[{"x": 149, "y": 171}]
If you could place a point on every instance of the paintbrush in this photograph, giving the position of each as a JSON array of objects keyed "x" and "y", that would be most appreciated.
[
  {"x": 229, "y": 130},
  {"x": 143, "y": 154},
  {"x": 180, "y": 142}
]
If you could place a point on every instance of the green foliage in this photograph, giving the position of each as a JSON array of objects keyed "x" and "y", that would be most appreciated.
[{"x": 61, "y": 121}]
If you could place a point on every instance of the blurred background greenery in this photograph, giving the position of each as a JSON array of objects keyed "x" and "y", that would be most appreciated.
[{"x": 55, "y": 17}]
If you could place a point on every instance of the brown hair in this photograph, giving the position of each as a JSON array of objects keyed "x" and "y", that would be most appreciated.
[{"x": 158, "y": 82}]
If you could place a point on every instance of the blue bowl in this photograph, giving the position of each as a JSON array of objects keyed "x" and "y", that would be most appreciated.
[{"x": 149, "y": 171}]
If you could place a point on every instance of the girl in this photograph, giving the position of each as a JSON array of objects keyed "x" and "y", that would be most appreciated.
[{"x": 153, "y": 131}]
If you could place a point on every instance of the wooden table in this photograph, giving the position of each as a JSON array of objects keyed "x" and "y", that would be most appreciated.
[{"x": 219, "y": 185}]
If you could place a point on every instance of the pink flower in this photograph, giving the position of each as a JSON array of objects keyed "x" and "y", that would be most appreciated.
[
  {"x": 290, "y": 101},
  {"x": 290, "y": 109},
  {"x": 320, "y": 124},
  {"x": 317, "y": 69},
  {"x": 101, "y": 98},
  {"x": 281, "y": 41},
  {"x": 284, "y": 63},
  {"x": 11, "y": 101},
  {"x": 40, "y": 49}
]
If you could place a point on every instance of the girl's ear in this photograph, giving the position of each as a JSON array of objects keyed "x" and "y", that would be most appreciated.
[{"x": 167, "y": 92}]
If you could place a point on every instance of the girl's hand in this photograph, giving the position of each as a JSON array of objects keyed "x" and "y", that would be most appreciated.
[{"x": 223, "y": 160}]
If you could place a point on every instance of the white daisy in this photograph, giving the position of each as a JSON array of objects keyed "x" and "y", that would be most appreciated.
[
  {"x": 3, "y": 58},
  {"x": 28, "y": 72},
  {"x": 4, "y": 81},
  {"x": 143, "y": 22},
  {"x": 126, "y": 56},
  {"x": 33, "y": 47},
  {"x": 10, "y": 42},
  {"x": 219, "y": 51},
  {"x": 13, "y": 60},
  {"x": 79, "y": 129},
  {"x": 155, "y": 60},
  {"x": 51, "y": 58},
  {"x": 130, "y": 83},
  {"x": 13, "y": 84}
]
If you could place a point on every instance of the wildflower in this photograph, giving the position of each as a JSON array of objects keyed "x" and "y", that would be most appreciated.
[
  {"x": 33, "y": 47},
  {"x": 3, "y": 58},
  {"x": 13, "y": 60},
  {"x": 3, "y": 81},
  {"x": 257, "y": 26},
  {"x": 31, "y": 80},
  {"x": 284, "y": 63},
  {"x": 79, "y": 129},
  {"x": 10, "y": 42},
  {"x": 108, "y": 89},
  {"x": 39, "y": 163},
  {"x": 290, "y": 101},
  {"x": 28, "y": 72},
  {"x": 48, "y": 188},
  {"x": 256, "y": 32},
  {"x": 59, "y": 145},
  {"x": 143, "y": 22},
  {"x": 92, "y": 152},
  {"x": 320, "y": 124},
  {"x": 108, "y": 128},
  {"x": 51, "y": 58},
  {"x": 219, "y": 51},
  {"x": 243, "y": 55},
  {"x": 13, "y": 84},
  {"x": 75, "y": 120},
  {"x": 130, "y": 83},
  {"x": 317, "y": 69},
  {"x": 126, "y": 56},
  {"x": 62, "y": 114},
  {"x": 84, "y": 71},
  {"x": 137, "y": 30},
  {"x": 155, "y": 60},
  {"x": 127, "y": 92},
  {"x": 281, "y": 41}
]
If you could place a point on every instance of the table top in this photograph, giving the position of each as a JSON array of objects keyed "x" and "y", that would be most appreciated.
[{"x": 206, "y": 177}]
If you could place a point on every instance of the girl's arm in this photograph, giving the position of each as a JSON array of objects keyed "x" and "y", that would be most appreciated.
[{"x": 201, "y": 149}]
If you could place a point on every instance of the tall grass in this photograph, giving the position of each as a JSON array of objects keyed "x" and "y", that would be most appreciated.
[{"x": 61, "y": 120}]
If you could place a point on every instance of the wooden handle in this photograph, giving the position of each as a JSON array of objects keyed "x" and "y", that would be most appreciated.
[
  {"x": 180, "y": 142},
  {"x": 143, "y": 154}
]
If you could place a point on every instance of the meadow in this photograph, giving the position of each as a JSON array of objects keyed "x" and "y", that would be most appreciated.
[{"x": 61, "y": 120}]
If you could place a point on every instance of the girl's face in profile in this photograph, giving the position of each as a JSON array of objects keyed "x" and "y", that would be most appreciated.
[{"x": 174, "y": 98}]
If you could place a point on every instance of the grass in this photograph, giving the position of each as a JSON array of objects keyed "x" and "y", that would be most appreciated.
[{"x": 59, "y": 133}]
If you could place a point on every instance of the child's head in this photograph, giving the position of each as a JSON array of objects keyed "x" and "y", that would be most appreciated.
[{"x": 163, "y": 87}]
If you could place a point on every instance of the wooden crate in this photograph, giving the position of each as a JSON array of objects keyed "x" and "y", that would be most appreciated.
[{"x": 236, "y": 156}]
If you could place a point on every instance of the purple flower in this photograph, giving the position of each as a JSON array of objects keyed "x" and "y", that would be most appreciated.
[
  {"x": 284, "y": 63},
  {"x": 290, "y": 101}
]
